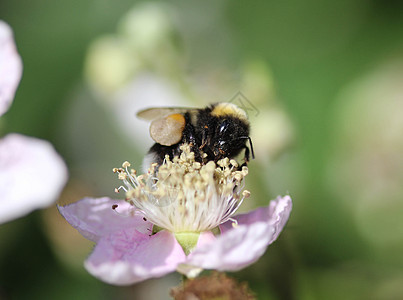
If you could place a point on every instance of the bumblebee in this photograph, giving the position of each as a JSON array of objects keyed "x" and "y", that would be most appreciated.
[{"x": 215, "y": 132}]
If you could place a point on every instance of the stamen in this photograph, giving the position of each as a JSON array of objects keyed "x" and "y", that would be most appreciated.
[
  {"x": 234, "y": 222},
  {"x": 117, "y": 190},
  {"x": 182, "y": 195},
  {"x": 125, "y": 165}
]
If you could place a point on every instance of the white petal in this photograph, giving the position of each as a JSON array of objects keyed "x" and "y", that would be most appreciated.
[
  {"x": 32, "y": 175},
  {"x": 10, "y": 67}
]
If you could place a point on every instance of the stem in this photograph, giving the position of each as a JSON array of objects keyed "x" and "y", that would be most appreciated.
[{"x": 184, "y": 279}]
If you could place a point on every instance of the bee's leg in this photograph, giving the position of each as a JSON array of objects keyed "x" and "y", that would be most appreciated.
[
  {"x": 203, "y": 145},
  {"x": 198, "y": 154},
  {"x": 246, "y": 158},
  {"x": 204, "y": 138},
  {"x": 247, "y": 153},
  {"x": 193, "y": 143}
]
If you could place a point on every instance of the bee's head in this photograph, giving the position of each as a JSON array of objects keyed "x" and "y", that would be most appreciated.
[{"x": 230, "y": 137}]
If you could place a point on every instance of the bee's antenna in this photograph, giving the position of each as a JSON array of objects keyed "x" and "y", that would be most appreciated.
[{"x": 251, "y": 147}]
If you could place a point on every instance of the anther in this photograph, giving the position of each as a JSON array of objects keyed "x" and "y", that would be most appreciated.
[
  {"x": 120, "y": 188},
  {"x": 234, "y": 222}
]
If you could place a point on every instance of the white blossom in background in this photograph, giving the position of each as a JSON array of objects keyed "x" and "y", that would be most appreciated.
[
  {"x": 147, "y": 90},
  {"x": 141, "y": 66},
  {"x": 32, "y": 174},
  {"x": 368, "y": 162},
  {"x": 144, "y": 43},
  {"x": 136, "y": 68}
]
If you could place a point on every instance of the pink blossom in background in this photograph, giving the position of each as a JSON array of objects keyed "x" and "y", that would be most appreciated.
[
  {"x": 32, "y": 174},
  {"x": 10, "y": 67},
  {"x": 127, "y": 252}
]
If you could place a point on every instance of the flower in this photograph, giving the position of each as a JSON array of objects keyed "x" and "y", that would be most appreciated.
[
  {"x": 10, "y": 67},
  {"x": 168, "y": 219},
  {"x": 32, "y": 174}
]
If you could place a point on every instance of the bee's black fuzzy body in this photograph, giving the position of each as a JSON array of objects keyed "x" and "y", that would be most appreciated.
[{"x": 220, "y": 130}]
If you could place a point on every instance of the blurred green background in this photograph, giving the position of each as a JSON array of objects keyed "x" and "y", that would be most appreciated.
[{"x": 326, "y": 78}]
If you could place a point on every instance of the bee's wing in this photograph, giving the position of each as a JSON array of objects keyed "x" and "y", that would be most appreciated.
[
  {"x": 154, "y": 113},
  {"x": 167, "y": 123}
]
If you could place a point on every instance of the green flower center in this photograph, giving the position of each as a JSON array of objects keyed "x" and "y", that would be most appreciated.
[{"x": 187, "y": 240}]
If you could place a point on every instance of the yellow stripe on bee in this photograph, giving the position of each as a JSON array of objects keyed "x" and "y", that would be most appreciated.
[{"x": 229, "y": 109}]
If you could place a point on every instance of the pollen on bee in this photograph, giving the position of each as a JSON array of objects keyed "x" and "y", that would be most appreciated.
[{"x": 178, "y": 118}]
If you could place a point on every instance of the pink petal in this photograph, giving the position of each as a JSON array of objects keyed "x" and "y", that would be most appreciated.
[
  {"x": 276, "y": 213},
  {"x": 238, "y": 247},
  {"x": 95, "y": 218},
  {"x": 234, "y": 250},
  {"x": 10, "y": 67},
  {"x": 32, "y": 175},
  {"x": 205, "y": 238},
  {"x": 128, "y": 256},
  {"x": 279, "y": 213}
]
